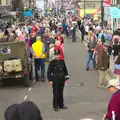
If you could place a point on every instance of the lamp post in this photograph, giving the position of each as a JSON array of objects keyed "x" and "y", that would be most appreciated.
[
  {"x": 29, "y": 3},
  {"x": 102, "y": 14},
  {"x": 84, "y": 8}
]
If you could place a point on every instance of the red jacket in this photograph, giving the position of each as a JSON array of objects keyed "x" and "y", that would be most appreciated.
[
  {"x": 61, "y": 51},
  {"x": 114, "y": 106}
]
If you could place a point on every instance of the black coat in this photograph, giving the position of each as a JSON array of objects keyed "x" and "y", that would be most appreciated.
[{"x": 57, "y": 68}]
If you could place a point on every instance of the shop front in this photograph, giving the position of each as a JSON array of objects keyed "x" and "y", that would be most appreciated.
[
  {"x": 112, "y": 15},
  {"x": 89, "y": 8}
]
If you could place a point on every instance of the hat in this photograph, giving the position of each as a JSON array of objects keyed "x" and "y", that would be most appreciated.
[
  {"x": 114, "y": 83},
  {"x": 57, "y": 52}
]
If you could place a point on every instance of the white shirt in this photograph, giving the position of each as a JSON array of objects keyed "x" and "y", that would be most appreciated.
[
  {"x": 18, "y": 32},
  {"x": 51, "y": 54},
  {"x": 87, "y": 28},
  {"x": 98, "y": 27}
]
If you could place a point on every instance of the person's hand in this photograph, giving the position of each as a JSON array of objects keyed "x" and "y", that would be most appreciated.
[
  {"x": 68, "y": 81},
  {"x": 51, "y": 83},
  {"x": 104, "y": 117},
  {"x": 92, "y": 49},
  {"x": 34, "y": 55},
  {"x": 102, "y": 68}
]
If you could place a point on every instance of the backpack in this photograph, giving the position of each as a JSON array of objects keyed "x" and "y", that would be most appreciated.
[{"x": 103, "y": 38}]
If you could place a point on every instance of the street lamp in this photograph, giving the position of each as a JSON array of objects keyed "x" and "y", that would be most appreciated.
[
  {"x": 102, "y": 14},
  {"x": 84, "y": 8}
]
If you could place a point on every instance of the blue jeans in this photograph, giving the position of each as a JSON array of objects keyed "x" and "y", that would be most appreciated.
[
  {"x": 90, "y": 57},
  {"x": 40, "y": 63}
]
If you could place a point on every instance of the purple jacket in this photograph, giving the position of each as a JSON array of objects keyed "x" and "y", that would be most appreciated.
[{"x": 114, "y": 106}]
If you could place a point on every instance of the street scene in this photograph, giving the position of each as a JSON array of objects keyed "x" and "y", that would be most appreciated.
[{"x": 59, "y": 60}]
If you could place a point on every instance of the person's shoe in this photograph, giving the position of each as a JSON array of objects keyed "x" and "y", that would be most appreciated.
[
  {"x": 37, "y": 79},
  {"x": 43, "y": 80},
  {"x": 64, "y": 107},
  {"x": 87, "y": 69},
  {"x": 95, "y": 69},
  {"x": 56, "y": 109},
  {"x": 101, "y": 86}
]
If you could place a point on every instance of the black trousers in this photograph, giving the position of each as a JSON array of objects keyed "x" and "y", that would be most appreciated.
[
  {"x": 82, "y": 36},
  {"x": 58, "y": 87}
]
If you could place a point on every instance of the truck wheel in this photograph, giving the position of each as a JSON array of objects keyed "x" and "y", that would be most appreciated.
[
  {"x": 1, "y": 82},
  {"x": 31, "y": 74},
  {"x": 27, "y": 82}
]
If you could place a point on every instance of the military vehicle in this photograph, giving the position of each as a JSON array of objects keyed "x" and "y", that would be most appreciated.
[{"x": 14, "y": 63}]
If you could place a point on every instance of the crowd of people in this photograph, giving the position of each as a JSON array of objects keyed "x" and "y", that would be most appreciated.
[
  {"x": 102, "y": 44},
  {"x": 45, "y": 43}
]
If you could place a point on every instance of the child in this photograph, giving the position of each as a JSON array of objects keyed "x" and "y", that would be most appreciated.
[
  {"x": 57, "y": 75},
  {"x": 60, "y": 47},
  {"x": 51, "y": 52},
  {"x": 117, "y": 66}
]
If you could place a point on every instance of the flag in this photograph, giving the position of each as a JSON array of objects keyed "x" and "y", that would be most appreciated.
[
  {"x": 108, "y": 2},
  {"x": 96, "y": 11}
]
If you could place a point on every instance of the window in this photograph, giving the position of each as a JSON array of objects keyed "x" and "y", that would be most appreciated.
[
  {"x": 114, "y": 2},
  {"x": 118, "y": 2}
]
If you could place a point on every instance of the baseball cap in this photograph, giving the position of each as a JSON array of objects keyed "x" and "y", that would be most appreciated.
[{"x": 114, "y": 83}]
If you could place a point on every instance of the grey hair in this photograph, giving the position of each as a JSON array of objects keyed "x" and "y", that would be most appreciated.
[{"x": 38, "y": 38}]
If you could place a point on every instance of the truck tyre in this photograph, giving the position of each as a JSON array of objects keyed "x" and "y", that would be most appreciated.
[
  {"x": 31, "y": 73},
  {"x": 28, "y": 78},
  {"x": 27, "y": 82}
]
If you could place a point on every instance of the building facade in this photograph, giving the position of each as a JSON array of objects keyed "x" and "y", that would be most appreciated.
[
  {"x": 4, "y": 2},
  {"x": 22, "y": 4},
  {"x": 112, "y": 14},
  {"x": 5, "y": 6}
]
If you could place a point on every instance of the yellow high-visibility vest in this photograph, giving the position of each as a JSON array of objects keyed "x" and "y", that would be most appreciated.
[{"x": 37, "y": 49}]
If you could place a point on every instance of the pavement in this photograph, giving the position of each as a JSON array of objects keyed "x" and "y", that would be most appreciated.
[{"x": 82, "y": 96}]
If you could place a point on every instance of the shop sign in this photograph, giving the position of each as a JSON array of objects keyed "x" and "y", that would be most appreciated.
[
  {"x": 5, "y": 8},
  {"x": 90, "y": 5},
  {"x": 115, "y": 12}
]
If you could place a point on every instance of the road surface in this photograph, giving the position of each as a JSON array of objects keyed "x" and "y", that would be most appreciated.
[{"x": 82, "y": 96}]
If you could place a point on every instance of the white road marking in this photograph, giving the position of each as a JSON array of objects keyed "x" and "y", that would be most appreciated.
[
  {"x": 29, "y": 89},
  {"x": 107, "y": 75},
  {"x": 25, "y": 97},
  {"x": 107, "y": 78},
  {"x": 34, "y": 81}
]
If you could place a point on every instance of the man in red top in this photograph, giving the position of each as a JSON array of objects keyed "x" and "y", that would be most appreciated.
[
  {"x": 114, "y": 103},
  {"x": 59, "y": 46}
]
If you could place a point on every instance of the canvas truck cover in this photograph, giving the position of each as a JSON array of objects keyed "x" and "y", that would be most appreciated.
[{"x": 13, "y": 56}]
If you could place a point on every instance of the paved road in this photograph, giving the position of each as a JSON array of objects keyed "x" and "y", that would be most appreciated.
[{"x": 82, "y": 96}]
